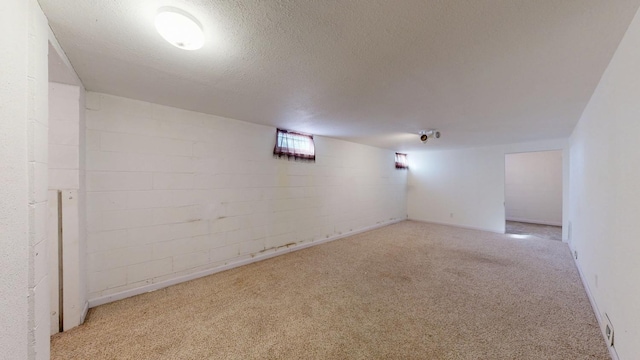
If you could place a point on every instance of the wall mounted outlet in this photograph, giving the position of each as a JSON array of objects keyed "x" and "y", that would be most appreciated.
[
  {"x": 608, "y": 330},
  {"x": 575, "y": 254}
]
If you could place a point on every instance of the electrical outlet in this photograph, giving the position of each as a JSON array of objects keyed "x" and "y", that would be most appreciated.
[
  {"x": 608, "y": 330},
  {"x": 575, "y": 254}
]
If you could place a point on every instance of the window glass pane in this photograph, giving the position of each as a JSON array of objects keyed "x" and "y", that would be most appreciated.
[
  {"x": 401, "y": 161},
  {"x": 294, "y": 145}
]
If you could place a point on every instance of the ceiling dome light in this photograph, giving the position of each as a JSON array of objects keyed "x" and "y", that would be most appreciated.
[{"x": 179, "y": 28}]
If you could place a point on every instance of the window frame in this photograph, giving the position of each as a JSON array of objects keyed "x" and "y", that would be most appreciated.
[
  {"x": 293, "y": 150},
  {"x": 402, "y": 161}
]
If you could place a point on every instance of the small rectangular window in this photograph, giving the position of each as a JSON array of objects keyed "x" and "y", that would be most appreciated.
[
  {"x": 401, "y": 161},
  {"x": 294, "y": 145}
]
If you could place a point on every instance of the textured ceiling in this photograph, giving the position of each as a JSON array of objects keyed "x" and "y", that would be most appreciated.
[
  {"x": 375, "y": 72},
  {"x": 59, "y": 71}
]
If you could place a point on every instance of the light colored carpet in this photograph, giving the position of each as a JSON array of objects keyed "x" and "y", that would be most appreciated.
[
  {"x": 406, "y": 291},
  {"x": 542, "y": 231}
]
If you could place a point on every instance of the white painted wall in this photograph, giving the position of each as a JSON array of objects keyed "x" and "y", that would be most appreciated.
[
  {"x": 14, "y": 213},
  {"x": 458, "y": 187},
  {"x": 464, "y": 187},
  {"x": 605, "y": 193},
  {"x": 24, "y": 318},
  {"x": 66, "y": 173},
  {"x": 38, "y": 115},
  {"x": 172, "y": 193},
  {"x": 64, "y": 136},
  {"x": 83, "y": 292},
  {"x": 533, "y": 187}
]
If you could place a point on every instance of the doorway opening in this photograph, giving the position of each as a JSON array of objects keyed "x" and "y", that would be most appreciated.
[{"x": 533, "y": 194}]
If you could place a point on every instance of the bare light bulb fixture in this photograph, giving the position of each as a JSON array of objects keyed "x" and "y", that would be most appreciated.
[{"x": 179, "y": 28}]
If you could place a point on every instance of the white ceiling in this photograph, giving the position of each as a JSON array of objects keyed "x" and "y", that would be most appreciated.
[
  {"x": 59, "y": 70},
  {"x": 370, "y": 71}
]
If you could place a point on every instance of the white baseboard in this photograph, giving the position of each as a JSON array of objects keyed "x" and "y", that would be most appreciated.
[
  {"x": 85, "y": 310},
  {"x": 594, "y": 306},
  {"x": 458, "y": 226},
  {"x": 537, "y": 222},
  {"x": 163, "y": 284}
]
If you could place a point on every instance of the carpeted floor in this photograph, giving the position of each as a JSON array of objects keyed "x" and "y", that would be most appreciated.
[
  {"x": 542, "y": 231},
  {"x": 406, "y": 291}
]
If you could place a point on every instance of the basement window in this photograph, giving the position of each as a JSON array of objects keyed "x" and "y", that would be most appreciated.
[
  {"x": 294, "y": 146},
  {"x": 401, "y": 161}
]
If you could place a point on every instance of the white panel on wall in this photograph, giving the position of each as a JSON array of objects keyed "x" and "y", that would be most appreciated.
[
  {"x": 173, "y": 192},
  {"x": 533, "y": 187}
]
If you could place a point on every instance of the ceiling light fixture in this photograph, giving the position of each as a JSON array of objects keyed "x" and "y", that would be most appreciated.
[
  {"x": 179, "y": 28},
  {"x": 426, "y": 134}
]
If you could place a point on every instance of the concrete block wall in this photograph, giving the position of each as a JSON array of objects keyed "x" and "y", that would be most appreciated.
[
  {"x": 81, "y": 251},
  {"x": 14, "y": 190},
  {"x": 37, "y": 138},
  {"x": 64, "y": 137},
  {"x": 24, "y": 305},
  {"x": 66, "y": 173},
  {"x": 172, "y": 192}
]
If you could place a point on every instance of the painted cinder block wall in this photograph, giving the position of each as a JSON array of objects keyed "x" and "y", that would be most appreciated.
[
  {"x": 14, "y": 215},
  {"x": 172, "y": 193},
  {"x": 24, "y": 315},
  {"x": 64, "y": 136},
  {"x": 67, "y": 174},
  {"x": 38, "y": 177}
]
